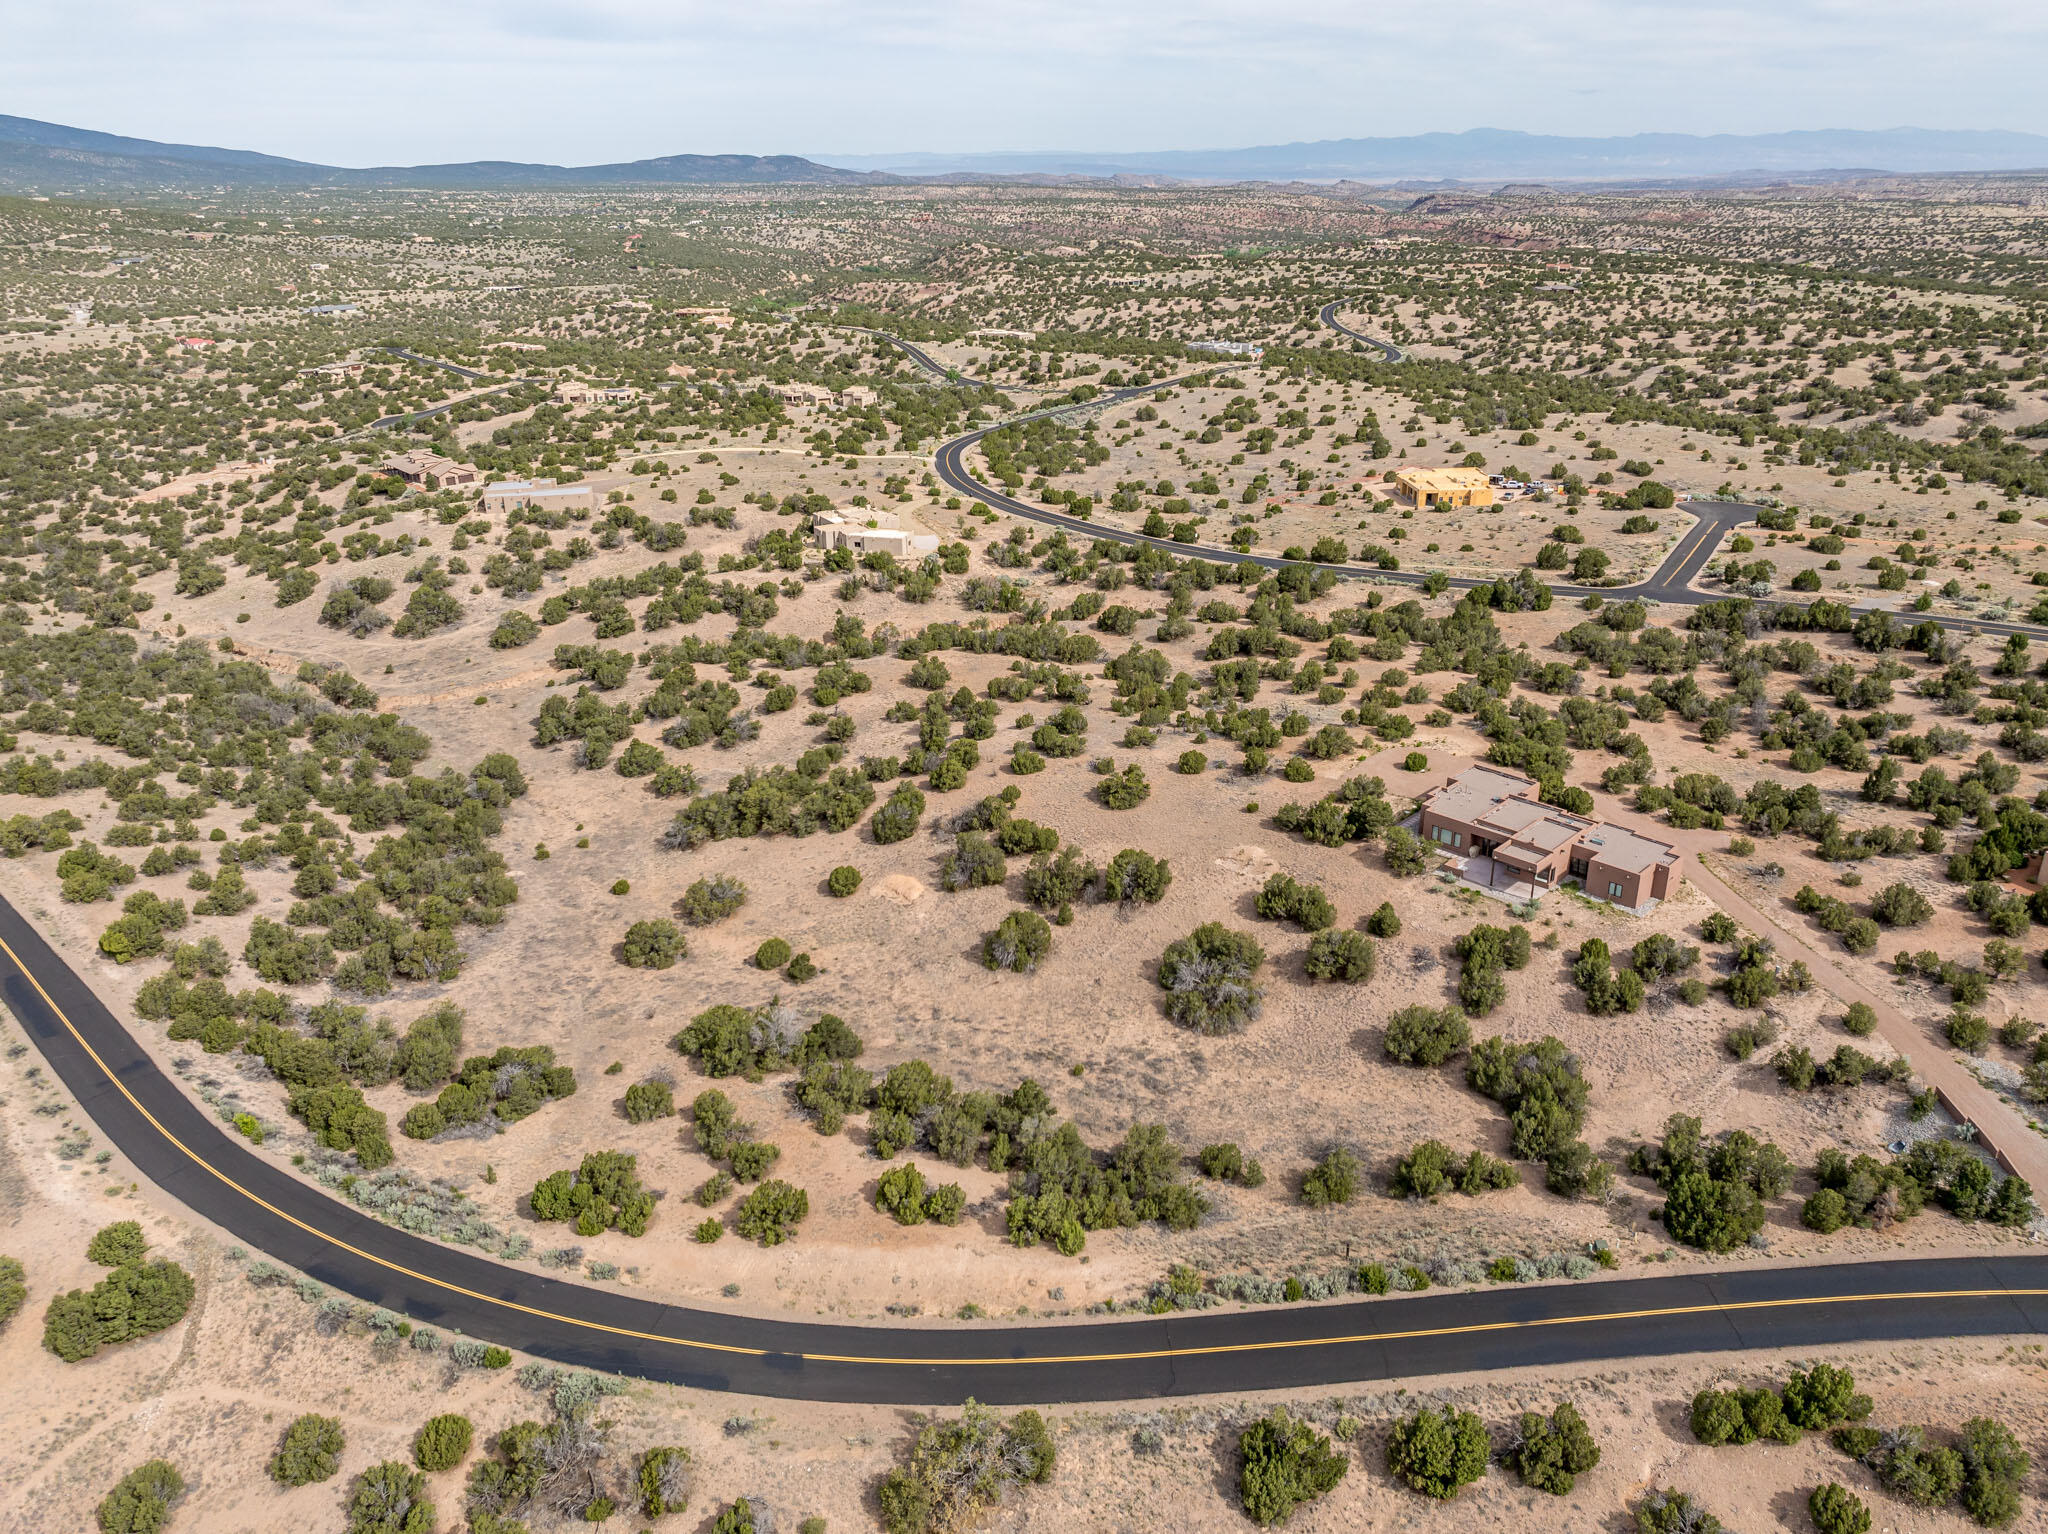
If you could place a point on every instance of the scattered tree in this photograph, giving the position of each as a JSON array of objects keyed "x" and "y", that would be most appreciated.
[
  {"x": 1835, "y": 1509},
  {"x": 141, "y": 1500},
  {"x": 1341, "y": 955},
  {"x": 1210, "y": 979},
  {"x": 604, "y": 1193},
  {"x": 649, "y": 1100},
  {"x": 1134, "y": 876},
  {"x": 1431, "y": 1168},
  {"x": 1227, "y": 1163},
  {"x": 1438, "y": 1452},
  {"x": 442, "y": 1442},
  {"x": 1422, "y": 1035},
  {"x": 771, "y": 1212},
  {"x": 1286, "y": 1462},
  {"x": 960, "y": 1467},
  {"x": 665, "y": 1481},
  {"x": 711, "y": 899},
  {"x": 390, "y": 1498},
  {"x": 1283, "y": 898},
  {"x": 118, "y": 1244},
  {"x": 311, "y": 1451},
  {"x": 1664, "y": 1511},
  {"x": 653, "y": 944},
  {"x": 1333, "y": 1180},
  {"x": 1019, "y": 943},
  {"x": 1551, "y": 1453}
]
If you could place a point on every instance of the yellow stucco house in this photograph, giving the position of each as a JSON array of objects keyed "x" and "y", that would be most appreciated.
[{"x": 1445, "y": 487}]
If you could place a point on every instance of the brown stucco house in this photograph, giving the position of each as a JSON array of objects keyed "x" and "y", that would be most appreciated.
[
  {"x": 419, "y": 466},
  {"x": 1495, "y": 822}
]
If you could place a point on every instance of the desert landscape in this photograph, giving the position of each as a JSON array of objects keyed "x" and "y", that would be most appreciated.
[{"x": 497, "y": 701}]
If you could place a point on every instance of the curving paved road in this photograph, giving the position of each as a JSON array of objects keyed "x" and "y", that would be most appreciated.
[
  {"x": 1328, "y": 315},
  {"x": 186, "y": 1153},
  {"x": 923, "y": 359},
  {"x": 1669, "y": 583},
  {"x": 1666, "y": 585}
]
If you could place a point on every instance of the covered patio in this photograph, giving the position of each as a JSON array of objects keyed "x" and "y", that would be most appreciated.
[{"x": 1495, "y": 877}]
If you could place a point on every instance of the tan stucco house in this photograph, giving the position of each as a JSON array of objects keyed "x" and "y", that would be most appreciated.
[{"x": 1495, "y": 821}]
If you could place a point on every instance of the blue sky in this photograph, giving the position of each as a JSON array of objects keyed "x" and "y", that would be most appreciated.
[{"x": 358, "y": 82}]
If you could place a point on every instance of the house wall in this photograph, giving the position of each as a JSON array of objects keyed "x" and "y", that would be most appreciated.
[
  {"x": 860, "y": 539},
  {"x": 1654, "y": 883},
  {"x": 1418, "y": 490},
  {"x": 1600, "y": 879},
  {"x": 1464, "y": 830},
  {"x": 492, "y": 502}
]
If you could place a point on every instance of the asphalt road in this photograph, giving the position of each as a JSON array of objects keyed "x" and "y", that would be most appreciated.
[
  {"x": 184, "y": 1151},
  {"x": 385, "y": 423},
  {"x": 404, "y": 418},
  {"x": 1669, "y": 583},
  {"x": 1672, "y": 580},
  {"x": 950, "y": 464},
  {"x": 432, "y": 362},
  {"x": 1393, "y": 353},
  {"x": 924, "y": 359}
]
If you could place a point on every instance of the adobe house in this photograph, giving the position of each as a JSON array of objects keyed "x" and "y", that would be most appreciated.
[
  {"x": 1439, "y": 489},
  {"x": 420, "y": 467},
  {"x": 863, "y": 531},
  {"x": 503, "y": 495},
  {"x": 1507, "y": 839}
]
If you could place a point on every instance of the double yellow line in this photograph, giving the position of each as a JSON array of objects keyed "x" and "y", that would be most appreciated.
[
  {"x": 1727, "y": 1307},
  {"x": 1687, "y": 544}
]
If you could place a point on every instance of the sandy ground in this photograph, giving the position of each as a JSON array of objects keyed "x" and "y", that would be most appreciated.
[
  {"x": 898, "y": 962},
  {"x": 1990, "y": 561},
  {"x": 215, "y": 1392}
]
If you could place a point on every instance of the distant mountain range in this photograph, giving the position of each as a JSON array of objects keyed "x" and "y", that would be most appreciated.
[
  {"x": 48, "y": 157},
  {"x": 1498, "y": 154}
]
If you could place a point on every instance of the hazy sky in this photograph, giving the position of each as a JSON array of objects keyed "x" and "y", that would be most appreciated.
[{"x": 360, "y": 82}]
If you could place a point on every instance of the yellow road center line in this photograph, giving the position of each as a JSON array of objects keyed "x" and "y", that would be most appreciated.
[{"x": 1719, "y": 1307}]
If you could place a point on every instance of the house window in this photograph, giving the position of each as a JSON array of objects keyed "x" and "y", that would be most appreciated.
[{"x": 1613, "y": 891}]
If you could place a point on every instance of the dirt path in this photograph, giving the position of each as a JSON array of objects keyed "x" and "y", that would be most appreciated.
[{"x": 1999, "y": 1128}]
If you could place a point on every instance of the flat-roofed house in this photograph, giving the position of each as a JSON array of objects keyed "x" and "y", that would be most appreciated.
[
  {"x": 501, "y": 496},
  {"x": 1445, "y": 487},
  {"x": 1495, "y": 821},
  {"x": 593, "y": 394},
  {"x": 868, "y": 532},
  {"x": 419, "y": 465},
  {"x": 1615, "y": 864}
]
